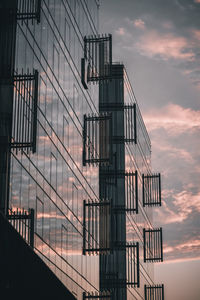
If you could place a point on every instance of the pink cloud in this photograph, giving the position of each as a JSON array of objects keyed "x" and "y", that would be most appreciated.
[
  {"x": 120, "y": 31},
  {"x": 139, "y": 23},
  {"x": 196, "y": 33},
  {"x": 184, "y": 203},
  {"x": 184, "y": 247},
  {"x": 197, "y": 1},
  {"x": 174, "y": 118},
  {"x": 167, "y": 46}
]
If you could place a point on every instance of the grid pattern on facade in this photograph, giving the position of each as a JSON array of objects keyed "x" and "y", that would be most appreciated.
[
  {"x": 29, "y": 10},
  {"x": 154, "y": 292},
  {"x": 24, "y": 125},
  {"x": 153, "y": 248},
  {"x": 151, "y": 185},
  {"x": 97, "y": 58},
  {"x": 97, "y": 139},
  {"x": 97, "y": 227}
]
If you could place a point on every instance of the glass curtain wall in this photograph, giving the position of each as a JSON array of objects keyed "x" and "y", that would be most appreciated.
[
  {"x": 138, "y": 158},
  {"x": 53, "y": 180}
]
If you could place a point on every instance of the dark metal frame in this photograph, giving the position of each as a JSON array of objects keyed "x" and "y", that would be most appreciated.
[
  {"x": 133, "y": 265},
  {"x": 97, "y": 132},
  {"x": 23, "y": 222},
  {"x": 130, "y": 121},
  {"x": 94, "y": 295},
  {"x": 151, "y": 190},
  {"x": 97, "y": 240},
  {"x": 131, "y": 194},
  {"x": 112, "y": 281},
  {"x": 97, "y": 59},
  {"x": 24, "y": 129},
  {"x": 29, "y": 10},
  {"x": 156, "y": 290},
  {"x": 153, "y": 245}
]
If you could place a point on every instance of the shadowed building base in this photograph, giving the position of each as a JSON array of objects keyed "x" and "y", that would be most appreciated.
[{"x": 23, "y": 275}]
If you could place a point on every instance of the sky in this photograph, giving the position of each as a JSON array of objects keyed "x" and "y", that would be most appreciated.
[{"x": 159, "y": 43}]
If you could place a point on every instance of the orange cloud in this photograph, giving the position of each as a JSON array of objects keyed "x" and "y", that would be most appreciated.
[{"x": 166, "y": 46}]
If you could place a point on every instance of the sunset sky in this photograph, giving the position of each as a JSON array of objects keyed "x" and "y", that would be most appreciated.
[{"x": 159, "y": 43}]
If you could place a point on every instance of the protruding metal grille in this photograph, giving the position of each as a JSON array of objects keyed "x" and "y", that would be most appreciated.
[
  {"x": 23, "y": 222},
  {"x": 130, "y": 121},
  {"x": 132, "y": 265},
  {"x": 153, "y": 248},
  {"x": 130, "y": 124},
  {"x": 109, "y": 178},
  {"x": 154, "y": 292},
  {"x": 24, "y": 125},
  {"x": 29, "y": 10},
  {"x": 97, "y": 139},
  {"x": 111, "y": 280},
  {"x": 97, "y": 236},
  {"x": 94, "y": 295},
  {"x": 97, "y": 58},
  {"x": 151, "y": 190}
]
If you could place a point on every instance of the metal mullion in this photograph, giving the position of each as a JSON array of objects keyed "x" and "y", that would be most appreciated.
[
  {"x": 15, "y": 110},
  {"x": 105, "y": 135},
  {"x": 34, "y": 113},
  {"x": 23, "y": 10},
  {"x": 84, "y": 139},
  {"x": 126, "y": 193},
  {"x": 30, "y": 108},
  {"x": 97, "y": 155},
  {"x": 144, "y": 248},
  {"x": 96, "y": 55},
  {"x": 159, "y": 189},
  {"x": 89, "y": 142},
  {"x": 100, "y": 139},
  {"x": 162, "y": 292},
  {"x": 136, "y": 190},
  {"x": 143, "y": 190},
  {"x": 128, "y": 265},
  {"x": 107, "y": 225},
  {"x": 18, "y": 110},
  {"x": 129, "y": 175},
  {"x": 132, "y": 124},
  {"x": 148, "y": 189},
  {"x": 129, "y": 123},
  {"x": 84, "y": 226},
  {"x": 92, "y": 223},
  {"x": 161, "y": 244},
  {"x": 92, "y": 138},
  {"x": 133, "y": 265},
  {"x": 88, "y": 211},
  {"x": 23, "y": 111},
  {"x": 92, "y": 46},
  {"x": 145, "y": 292},
  {"x": 138, "y": 265},
  {"x": 26, "y": 116}
]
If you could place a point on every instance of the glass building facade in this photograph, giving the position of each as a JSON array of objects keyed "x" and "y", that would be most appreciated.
[{"x": 52, "y": 179}]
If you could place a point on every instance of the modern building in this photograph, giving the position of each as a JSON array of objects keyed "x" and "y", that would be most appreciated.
[{"x": 75, "y": 156}]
